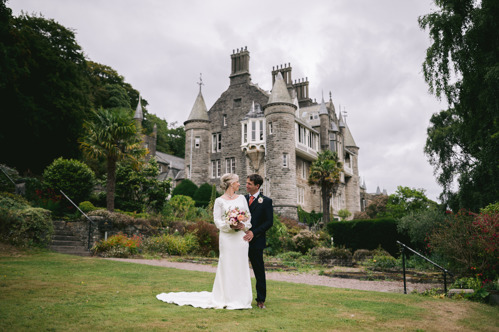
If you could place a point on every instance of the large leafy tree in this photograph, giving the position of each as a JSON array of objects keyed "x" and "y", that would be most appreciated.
[
  {"x": 325, "y": 172},
  {"x": 44, "y": 90},
  {"x": 406, "y": 200},
  {"x": 462, "y": 65},
  {"x": 112, "y": 134}
]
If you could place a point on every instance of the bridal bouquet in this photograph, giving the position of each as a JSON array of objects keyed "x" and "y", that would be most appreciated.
[{"x": 235, "y": 216}]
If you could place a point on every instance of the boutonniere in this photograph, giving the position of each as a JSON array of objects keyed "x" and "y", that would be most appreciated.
[{"x": 260, "y": 200}]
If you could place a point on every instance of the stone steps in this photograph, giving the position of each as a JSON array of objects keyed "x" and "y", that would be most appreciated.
[{"x": 64, "y": 241}]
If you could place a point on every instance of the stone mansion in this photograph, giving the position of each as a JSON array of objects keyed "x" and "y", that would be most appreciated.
[{"x": 277, "y": 135}]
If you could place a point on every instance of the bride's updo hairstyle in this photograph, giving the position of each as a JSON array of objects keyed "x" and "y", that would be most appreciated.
[{"x": 227, "y": 179}]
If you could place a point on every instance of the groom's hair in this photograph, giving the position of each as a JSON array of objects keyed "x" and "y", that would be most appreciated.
[{"x": 256, "y": 179}]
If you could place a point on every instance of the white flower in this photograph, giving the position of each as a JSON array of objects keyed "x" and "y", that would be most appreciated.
[{"x": 260, "y": 200}]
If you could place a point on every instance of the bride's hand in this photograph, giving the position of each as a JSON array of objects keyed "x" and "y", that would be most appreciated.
[{"x": 238, "y": 226}]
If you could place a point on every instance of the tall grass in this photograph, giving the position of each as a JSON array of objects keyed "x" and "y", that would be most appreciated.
[{"x": 52, "y": 292}]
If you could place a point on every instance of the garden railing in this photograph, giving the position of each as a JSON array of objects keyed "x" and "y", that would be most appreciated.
[
  {"x": 444, "y": 270},
  {"x": 89, "y": 220}
]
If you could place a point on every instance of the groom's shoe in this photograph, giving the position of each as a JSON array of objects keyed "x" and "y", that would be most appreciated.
[{"x": 260, "y": 305}]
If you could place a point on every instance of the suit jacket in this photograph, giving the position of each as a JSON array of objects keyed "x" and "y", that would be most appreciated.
[{"x": 262, "y": 218}]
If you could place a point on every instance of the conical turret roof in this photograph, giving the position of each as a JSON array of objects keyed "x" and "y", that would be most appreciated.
[
  {"x": 280, "y": 92},
  {"x": 199, "y": 110},
  {"x": 138, "y": 111},
  {"x": 323, "y": 109},
  {"x": 349, "y": 141}
]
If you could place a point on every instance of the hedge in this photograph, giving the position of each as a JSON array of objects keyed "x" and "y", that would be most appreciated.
[{"x": 367, "y": 234}]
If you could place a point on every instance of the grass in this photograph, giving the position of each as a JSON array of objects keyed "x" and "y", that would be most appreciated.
[{"x": 44, "y": 291}]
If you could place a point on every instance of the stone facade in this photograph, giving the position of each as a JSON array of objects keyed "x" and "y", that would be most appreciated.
[{"x": 277, "y": 135}]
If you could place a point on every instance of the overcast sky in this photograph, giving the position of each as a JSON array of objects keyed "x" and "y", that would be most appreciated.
[{"x": 367, "y": 53}]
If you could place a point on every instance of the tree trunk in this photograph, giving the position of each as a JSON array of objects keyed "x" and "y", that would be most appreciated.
[
  {"x": 111, "y": 183},
  {"x": 325, "y": 205}
]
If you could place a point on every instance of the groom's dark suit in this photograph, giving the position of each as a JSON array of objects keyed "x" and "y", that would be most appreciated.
[{"x": 262, "y": 218}]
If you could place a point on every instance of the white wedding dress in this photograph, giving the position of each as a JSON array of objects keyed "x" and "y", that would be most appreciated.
[{"x": 232, "y": 286}]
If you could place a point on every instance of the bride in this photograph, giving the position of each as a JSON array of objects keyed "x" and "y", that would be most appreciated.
[{"x": 232, "y": 286}]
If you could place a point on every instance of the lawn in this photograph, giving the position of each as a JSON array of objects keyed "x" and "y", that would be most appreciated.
[{"x": 44, "y": 291}]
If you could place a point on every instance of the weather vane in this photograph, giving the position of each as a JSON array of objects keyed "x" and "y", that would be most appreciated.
[{"x": 200, "y": 83}]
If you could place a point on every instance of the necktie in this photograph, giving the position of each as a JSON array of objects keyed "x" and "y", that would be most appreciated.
[{"x": 252, "y": 198}]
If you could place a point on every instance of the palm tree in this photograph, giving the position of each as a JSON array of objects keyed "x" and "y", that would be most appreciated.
[
  {"x": 325, "y": 172},
  {"x": 112, "y": 134}
]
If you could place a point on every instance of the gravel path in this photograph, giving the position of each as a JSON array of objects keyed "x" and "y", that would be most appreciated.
[{"x": 299, "y": 278}]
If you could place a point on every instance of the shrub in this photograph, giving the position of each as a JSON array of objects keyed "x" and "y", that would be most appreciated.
[
  {"x": 207, "y": 236},
  {"x": 481, "y": 289},
  {"x": 118, "y": 245},
  {"x": 491, "y": 208},
  {"x": 292, "y": 226},
  {"x": 344, "y": 214},
  {"x": 377, "y": 206},
  {"x": 185, "y": 188},
  {"x": 332, "y": 256},
  {"x": 382, "y": 261},
  {"x": 86, "y": 206},
  {"x": 278, "y": 239},
  {"x": 168, "y": 244},
  {"x": 180, "y": 207},
  {"x": 419, "y": 225},
  {"x": 71, "y": 176},
  {"x": 139, "y": 189},
  {"x": 305, "y": 240},
  {"x": 469, "y": 241},
  {"x": 361, "y": 215},
  {"x": 367, "y": 234},
  {"x": 202, "y": 195},
  {"x": 23, "y": 225},
  {"x": 309, "y": 218},
  {"x": 362, "y": 254}
]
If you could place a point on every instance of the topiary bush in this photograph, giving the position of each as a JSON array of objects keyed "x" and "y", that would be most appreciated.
[
  {"x": 86, "y": 206},
  {"x": 186, "y": 188},
  {"x": 202, "y": 195},
  {"x": 71, "y": 176},
  {"x": 368, "y": 234}
]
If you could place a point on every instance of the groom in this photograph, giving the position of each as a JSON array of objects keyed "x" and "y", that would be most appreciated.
[{"x": 262, "y": 218}]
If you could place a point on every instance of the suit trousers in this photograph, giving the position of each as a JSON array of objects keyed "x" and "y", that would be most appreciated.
[{"x": 256, "y": 259}]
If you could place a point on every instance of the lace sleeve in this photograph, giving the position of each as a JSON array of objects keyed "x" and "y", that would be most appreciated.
[{"x": 218, "y": 217}]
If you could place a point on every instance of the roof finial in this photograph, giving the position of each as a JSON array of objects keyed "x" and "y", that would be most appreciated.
[
  {"x": 345, "y": 113},
  {"x": 200, "y": 81}
]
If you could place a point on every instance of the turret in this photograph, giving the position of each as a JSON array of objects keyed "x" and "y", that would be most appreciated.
[
  {"x": 138, "y": 116},
  {"x": 325, "y": 125},
  {"x": 280, "y": 146},
  {"x": 197, "y": 141}
]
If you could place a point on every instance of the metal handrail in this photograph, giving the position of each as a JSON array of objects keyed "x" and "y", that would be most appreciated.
[
  {"x": 89, "y": 220},
  {"x": 444, "y": 270}
]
